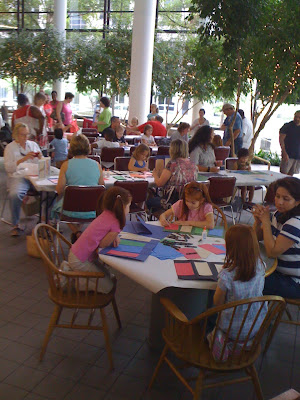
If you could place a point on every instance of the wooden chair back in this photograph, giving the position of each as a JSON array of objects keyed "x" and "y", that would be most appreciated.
[
  {"x": 219, "y": 217},
  {"x": 108, "y": 154},
  {"x": 163, "y": 150},
  {"x": 121, "y": 163}
]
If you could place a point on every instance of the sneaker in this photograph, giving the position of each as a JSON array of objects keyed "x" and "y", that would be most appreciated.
[{"x": 16, "y": 231}]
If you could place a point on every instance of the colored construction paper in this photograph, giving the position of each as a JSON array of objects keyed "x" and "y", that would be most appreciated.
[
  {"x": 131, "y": 243},
  {"x": 211, "y": 248},
  {"x": 157, "y": 232},
  {"x": 163, "y": 252},
  {"x": 132, "y": 236},
  {"x": 130, "y": 249},
  {"x": 136, "y": 228},
  {"x": 216, "y": 232},
  {"x": 220, "y": 246},
  {"x": 197, "y": 231},
  {"x": 189, "y": 253},
  {"x": 202, "y": 252},
  {"x": 203, "y": 268},
  {"x": 120, "y": 178},
  {"x": 186, "y": 228},
  {"x": 53, "y": 180},
  {"x": 184, "y": 269},
  {"x": 172, "y": 228},
  {"x": 202, "y": 178},
  {"x": 122, "y": 253}
]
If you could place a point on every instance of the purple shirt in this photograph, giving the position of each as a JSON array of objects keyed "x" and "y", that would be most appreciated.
[{"x": 85, "y": 247}]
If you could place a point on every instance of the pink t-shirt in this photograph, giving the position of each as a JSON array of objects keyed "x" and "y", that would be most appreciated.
[
  {"x": 193, "y": 215},
  {"x": 86, "y": 245}
]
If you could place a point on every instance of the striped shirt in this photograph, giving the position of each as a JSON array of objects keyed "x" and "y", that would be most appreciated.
[{"x": 289, "y": 261}]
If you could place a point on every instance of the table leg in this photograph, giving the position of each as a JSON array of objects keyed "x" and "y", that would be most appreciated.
[
  {"x": 47, "y": 207},
  {"x": 41, "y": 207},
  {"x": 191, "y": 302}
]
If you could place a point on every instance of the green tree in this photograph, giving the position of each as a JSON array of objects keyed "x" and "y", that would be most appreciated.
[{"x": 32, "y": 58}]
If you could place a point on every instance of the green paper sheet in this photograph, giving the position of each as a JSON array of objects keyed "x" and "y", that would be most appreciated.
[{"x": 131, "y": 243}]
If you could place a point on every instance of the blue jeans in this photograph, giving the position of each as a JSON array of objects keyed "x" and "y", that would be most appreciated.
[
  {"x": 282, "y": 285},
  {"x": 17, "y": 190}
]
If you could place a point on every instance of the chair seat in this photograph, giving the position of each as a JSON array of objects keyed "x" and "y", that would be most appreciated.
[
  {"x": 83, "y": 300},
  {"x": 201, "y": 356},
  {"x": 65, "y": 218}
]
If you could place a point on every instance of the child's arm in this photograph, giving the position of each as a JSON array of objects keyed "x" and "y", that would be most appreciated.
[
  {"x": 165, "y": 217},
  {"x": 144, "y": 141},
  {"x": 219, "y": 296},
  {"x": 109, "y": 239},
  {"x": 208, "y": 222}
]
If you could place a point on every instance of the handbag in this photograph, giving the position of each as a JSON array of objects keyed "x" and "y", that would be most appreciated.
[{"x": 32, "y": 247}]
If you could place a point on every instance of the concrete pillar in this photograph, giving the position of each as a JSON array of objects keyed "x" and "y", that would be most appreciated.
[
  {"x": 60, "y": 23},
  {"x": 141, "y": 59},
  {"x": 196, "y": 107}
]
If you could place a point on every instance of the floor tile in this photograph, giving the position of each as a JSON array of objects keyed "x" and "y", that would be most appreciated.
[
  {"x": 25, "y": 377},
  {"x": 17, "y": 352},
  {"x": 80, "y": 392},
  {"x": 7, "y": 367},
  {"x": 54, "y": 387},
  {"x": 9, "y": 392}
]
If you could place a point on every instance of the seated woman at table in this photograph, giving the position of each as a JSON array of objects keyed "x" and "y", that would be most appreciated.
[
  {"x": 80, "y": 170},
  {"x": 112, "y": 209},
  {"x": 179, "y": 171},
  {"x": 19, "y": 151},
  {"x": 201, "y": 150},
  {"x": 195, "y": 208},
  {"x": 242, "y": 277},
  {"x": 139, "y": 159},
  {"x": 281, "y": 235}
]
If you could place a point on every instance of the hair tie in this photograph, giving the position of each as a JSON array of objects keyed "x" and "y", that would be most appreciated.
[{"x": 118, "y": 196}]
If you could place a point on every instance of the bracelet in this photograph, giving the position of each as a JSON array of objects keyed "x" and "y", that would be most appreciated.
[{"x": 208, "y": 169}]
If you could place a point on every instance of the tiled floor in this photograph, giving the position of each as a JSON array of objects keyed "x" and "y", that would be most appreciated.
[{"x": 75, "y": 366}]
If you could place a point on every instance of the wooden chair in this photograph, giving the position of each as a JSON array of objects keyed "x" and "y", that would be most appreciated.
[
  {"x": 219, "y": 216},
  {"x": 163, "y": 150},
  {"x": 221, "y": 188},
  {"x": 187, "y": 340},
  {"x": 79, "y": 199},
  {"x": 64, "y": 288},
  {"x": 139, "y": 191},
  {"x": 222, "y": 152},
  {"x": 121, "y": 163}
]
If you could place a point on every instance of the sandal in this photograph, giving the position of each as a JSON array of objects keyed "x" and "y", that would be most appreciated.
[
  {"x": 75, "y": 236},
  {"x": 16, "y": 232}
]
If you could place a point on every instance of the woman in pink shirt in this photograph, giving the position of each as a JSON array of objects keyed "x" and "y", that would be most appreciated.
[
  {"x": 195, "y": 208},
  {"x": 112, "y": 209}
]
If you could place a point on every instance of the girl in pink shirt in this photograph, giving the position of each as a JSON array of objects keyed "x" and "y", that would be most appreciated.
[
  {"x": 112, "y": 209},
  {"x": 195, "y": 208}
]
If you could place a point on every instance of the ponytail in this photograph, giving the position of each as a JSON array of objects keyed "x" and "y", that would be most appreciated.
[{"x": 114, "y": 200}]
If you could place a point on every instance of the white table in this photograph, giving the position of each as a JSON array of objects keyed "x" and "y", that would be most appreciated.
[{"x": 256, "y": 178}]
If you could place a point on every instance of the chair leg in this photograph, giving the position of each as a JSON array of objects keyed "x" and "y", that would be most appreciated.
[
  {"x": 106, "y": 337},
  {"x": 199, "y": 386},
  {"x": 161, "y": 359},
  {"x": 252, "y": 372},
  {"x": 116, "y": 311},
  {"x": 53, "y": 321},
  {"x": 232, "y": 216},
  {"x": 288, "y": 313}
]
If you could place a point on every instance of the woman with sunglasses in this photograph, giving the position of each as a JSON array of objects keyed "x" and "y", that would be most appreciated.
[{"x": 19, "y": 151}]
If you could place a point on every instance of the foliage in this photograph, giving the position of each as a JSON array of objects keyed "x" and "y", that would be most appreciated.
[
  {"x": 274, "y": 158},
  {"x": 32, "y": 58}
]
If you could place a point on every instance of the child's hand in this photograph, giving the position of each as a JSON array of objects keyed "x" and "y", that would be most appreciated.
[
  {"x": 183, "y": 223},
  {"x": 116, "y": 242},
  {"x": 145, "y": 169},
  {"x": 163, "y": 220}
]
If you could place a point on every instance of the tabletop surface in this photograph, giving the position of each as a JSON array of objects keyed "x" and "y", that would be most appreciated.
[{"x": 155, "y": 274}]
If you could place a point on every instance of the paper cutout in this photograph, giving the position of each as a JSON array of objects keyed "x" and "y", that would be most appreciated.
[
  {"x": 211, "y": 248},
  {"x": 216, "y": 232},
  {"x": 130, "y": 249},
  {"x": 203, "y": 268},
  {"x": 219, "y": 267},
  {"x": 202, "y": 252},
  {"x": 122, "y": 253},
  {"x": 163, "y": 252},
  {"x": 53, "y": 180},
  {"x": 172, "y": 228},
  {"x": 197, "y": 231},
  {"x": 131, "y": 243},
  {"x": 120, "y": 178},
  {"x": 186, "y": 228},
  {"x": 132, "y": 236},
  {"x": 221, "y": 247},
  {"x": 184, "y": 269},
  {"x": 189, "y": 253}
]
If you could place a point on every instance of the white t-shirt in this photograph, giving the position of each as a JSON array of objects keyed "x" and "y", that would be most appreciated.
[{"x": 247, "y": 128}]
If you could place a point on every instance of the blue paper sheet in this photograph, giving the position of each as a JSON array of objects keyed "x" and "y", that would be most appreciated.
[
  {"x": 217, "y": 232},
  {"x": 163, "y": 252},
  {"x": 129, "y": 249},
  {"x": 142, "y": 228},
  {"x": 143, "y": 252},
  {"x": 221, "y": 247}
]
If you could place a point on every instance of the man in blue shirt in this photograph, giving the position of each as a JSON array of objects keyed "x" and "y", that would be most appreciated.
[{"x": 228, "y": 110}]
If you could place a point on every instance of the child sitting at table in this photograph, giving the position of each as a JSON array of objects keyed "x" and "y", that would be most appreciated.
[
  {"x": 109, "y": 135},
  {"x": 119, "y": 136},
  {"x": 139, "y": 159},
  {"x": 112, "y": 208},
  {"x": 217, "y": 141},
  {"x": 60, "y": 146},
  {"x": 147, "y": 137},
  {"x": 195, "y": 208},
  {"x": 242, "y": 277},
  {"x": 133, "y": 123},
  {"x": 243, "y": 163}
]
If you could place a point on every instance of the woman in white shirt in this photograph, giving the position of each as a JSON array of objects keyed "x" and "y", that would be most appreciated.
[
  {"x": 19, "y": 151},
  {"x": 201, "y": 121}
]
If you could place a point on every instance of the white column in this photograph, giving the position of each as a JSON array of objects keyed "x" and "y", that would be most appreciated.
[
  {"x": 196, "y": 107},
  {"x": 60, "y": 23},
  {"x": 141, "y": 59}
]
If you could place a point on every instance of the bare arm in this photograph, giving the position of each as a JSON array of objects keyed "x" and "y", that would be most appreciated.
[
  {"x": 163, "y": 179},
  {"x": 36, "y": 113},
  {"x": 58, "y": 111},
  {"x": 219, "y": 296},
  {"x": 101, "y": 179},
  {"x": 108, "y": 239},
  {"x": 165, "y": 217},
  {"x": 131, "y": 166},
  {"x": 209, "y": 222},
  {"x": 285, "y": 156}
]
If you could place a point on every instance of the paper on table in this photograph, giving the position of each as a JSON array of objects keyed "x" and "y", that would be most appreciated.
[
  {"x": 186, "y": 228},
  {"x": 172, "y": 227},
  {"x": 203, "y": 268},
  {"x": 211, "y": 248},
  {"x": 216, "y": 232},
  {"x": 131, "y": 243},
  {"x": 202, "y": 252},
  {"x": 165, "y": 252},
  {"x": 133, "y": 236},
  {"x": 189, "y": 253}
]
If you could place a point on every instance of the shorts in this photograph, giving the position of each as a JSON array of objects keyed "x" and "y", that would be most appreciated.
[{"x": 290, "y": 167}]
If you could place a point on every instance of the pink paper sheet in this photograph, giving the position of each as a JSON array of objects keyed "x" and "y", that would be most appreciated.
[
  {"x": 212, "y": 248},
  {"x": 190, "y": 254}
]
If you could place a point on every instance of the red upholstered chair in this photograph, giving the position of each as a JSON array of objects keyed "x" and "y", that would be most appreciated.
[
  {"x": 121, "y": 163},
  {"x": 95, "y": 158},
  {"x": 108, "y": 154},
  {"x": 87, "y": 123},
  {"x": 163, "y": 151},
  {"x": 138, "y": 190},
  {"x": 91, "y": 139},
  {"x": 222, "y": 153},
  {"x": 91, "y": 134},
  {"x": 80, "y": 199},
  {"x": 230, "y": 163},
  {"x": 151, "y": 162},
  {"x": 220, "y": 189}
]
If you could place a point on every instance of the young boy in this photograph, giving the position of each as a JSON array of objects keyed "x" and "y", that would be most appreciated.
[
  {"x": 60, "y": 146},
  {"x": 109, "y": 135},
  {"x": 243, "y": 163}
]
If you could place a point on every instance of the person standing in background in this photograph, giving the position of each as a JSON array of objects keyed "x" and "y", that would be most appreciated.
[
  {"x": 247, "y": 130},
  {"x": 103, "y": 120},
  {"x": 289, "y": 140}
]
